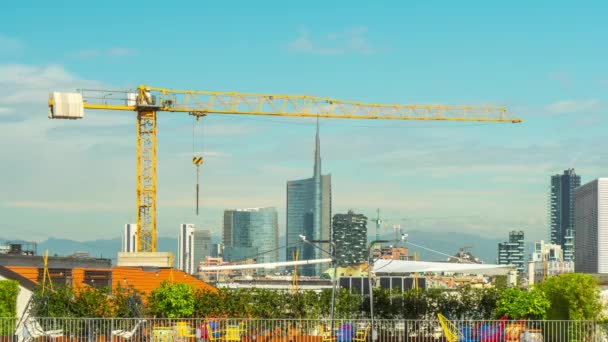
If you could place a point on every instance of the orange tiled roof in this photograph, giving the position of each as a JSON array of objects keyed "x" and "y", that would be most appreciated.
[
  {"x": 146, "y": 281},
  {"x": 28, "y": 272},
  {"x": 141, "y": 279}
]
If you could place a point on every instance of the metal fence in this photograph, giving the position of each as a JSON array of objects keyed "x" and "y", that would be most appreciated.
[{"x": 294, "y": 330}]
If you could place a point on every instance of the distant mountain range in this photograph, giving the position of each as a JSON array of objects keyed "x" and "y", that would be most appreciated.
[{"x": 448, "y": 243}]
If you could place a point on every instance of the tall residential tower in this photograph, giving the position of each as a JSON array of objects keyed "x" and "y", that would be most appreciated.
[
  {"x": 309, "y": 214},
  {"x": 350, "y": 236},
  {"x": 512, "y": 252},
  {"x": 561, "y": 211}
]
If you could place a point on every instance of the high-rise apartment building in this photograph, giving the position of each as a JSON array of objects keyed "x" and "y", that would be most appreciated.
[
  {"x": 309, "y": 214},
  {"x": 129, "y": 238},
  {"x": 561, "y": 211},
  {"x": 591, "y": 227},
  {"x": 251, "y": 233},
  {"x": 349, "y": 233},
  {"x": 185, "y": 249},
  {"x": 512, "y": 252}
]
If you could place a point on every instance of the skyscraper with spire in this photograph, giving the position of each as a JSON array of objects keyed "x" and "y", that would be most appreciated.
[{"x": 309, "y": 214}]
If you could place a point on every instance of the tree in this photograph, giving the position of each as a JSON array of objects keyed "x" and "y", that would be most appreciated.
[
  {"x": 348, "y": 305},
  {"x": 9, "y": 290},
  {"x": 415, "y": 304},
  {"x": 209, "y": 303},
  {"x": 127, "y": 302},
  {"x": 91, "y": 302},
  {"x": 573, "y": 296},
  {"x": 172, "y": 300},
  {"x": 501, "y": 282},
  {"x": 516, "y": 304},
  {"x": 58, "y": 302}
]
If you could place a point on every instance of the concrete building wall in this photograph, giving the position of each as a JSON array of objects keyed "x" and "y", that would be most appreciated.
[
  {"x": 591, "y": 227},
  {"x": 586, "y": 228},
  {"x": 602, "y": 223}
]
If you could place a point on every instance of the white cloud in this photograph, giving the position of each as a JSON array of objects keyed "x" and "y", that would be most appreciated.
[
  {"x": 574, "y": 106},
  {"x": 349, "y": 41},
  {"x": 28, "y": 84}
]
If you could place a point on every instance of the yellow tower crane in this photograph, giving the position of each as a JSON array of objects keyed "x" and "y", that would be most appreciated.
[{"x": 147, "y": 101}]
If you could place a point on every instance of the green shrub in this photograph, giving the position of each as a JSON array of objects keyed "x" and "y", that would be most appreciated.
[
  {"x": 127, "y": 302},
  {"x": 92, "y": 302},
  {"x": 172, "y": 300},
  {"x": 573, "y": 296},
  {"x": 9, "y": 290},
  {"x": 516, "y": 304}
]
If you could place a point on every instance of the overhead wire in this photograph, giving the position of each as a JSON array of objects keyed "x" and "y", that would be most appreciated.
[
  {"x": 441, "y": 253},
  {"x": 261, "y": 253}
]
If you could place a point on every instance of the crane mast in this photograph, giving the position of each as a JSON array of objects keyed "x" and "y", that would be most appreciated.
[{"x": 147, "y": 101}]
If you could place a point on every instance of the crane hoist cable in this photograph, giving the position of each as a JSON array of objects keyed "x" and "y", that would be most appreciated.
[{"x": 197, "y": 152}]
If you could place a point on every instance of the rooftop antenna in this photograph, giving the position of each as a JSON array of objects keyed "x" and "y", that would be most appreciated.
[{"x": 378, "y": 221}]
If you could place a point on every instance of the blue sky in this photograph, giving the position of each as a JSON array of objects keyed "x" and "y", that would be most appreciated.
[{"x": 545, "y": 62}]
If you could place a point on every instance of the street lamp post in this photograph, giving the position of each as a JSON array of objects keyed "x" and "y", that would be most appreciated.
[
  {"x": 334, "y": 263},
  {"x": 105, "y": 96},
  {"x": 369, "y": 281},
  {"x": 370, "y": 262}
]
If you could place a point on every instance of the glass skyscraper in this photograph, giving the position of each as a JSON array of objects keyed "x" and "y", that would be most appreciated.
[
  {"x": 309, "y": 214},
  {"x": 251, "y": 233},
  {"x": 561, "y": 211}
]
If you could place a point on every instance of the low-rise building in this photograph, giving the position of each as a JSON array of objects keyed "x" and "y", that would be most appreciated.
[
  {"x": 391, "y": 253},
  {"x": 547, "y": 260},
  {"x": 78, "y": 271}
]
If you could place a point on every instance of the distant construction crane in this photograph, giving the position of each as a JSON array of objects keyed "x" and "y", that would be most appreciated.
[{"x": 147, "y": 101}]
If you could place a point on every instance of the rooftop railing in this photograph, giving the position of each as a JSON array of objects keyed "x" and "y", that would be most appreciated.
[{"x": 294, "y": 330}]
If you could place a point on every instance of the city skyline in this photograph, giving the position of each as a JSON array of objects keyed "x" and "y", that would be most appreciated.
[{"x": 479, "y": 178}]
